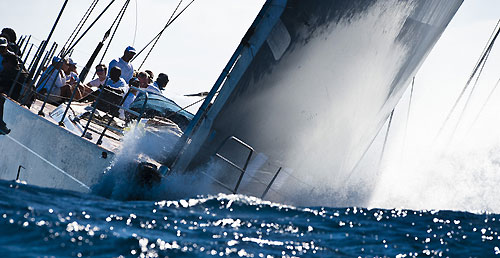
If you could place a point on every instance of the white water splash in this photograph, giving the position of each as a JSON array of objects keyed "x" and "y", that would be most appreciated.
[{"x": 458, "y": 174}]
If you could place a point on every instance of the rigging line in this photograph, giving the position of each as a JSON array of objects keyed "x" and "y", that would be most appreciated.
[
  {"x": 136, "y": 18},
  {"x": 118, "y": 17},
  {"x": 85, "y": 21},
  {"x": 484, "y": 105},
  {"x": 161, "y": 32},
  {"x": 48, "y": 162},
  {"x": 386, "y": 137},
  {"x": 44, "y": 44},
  {"x": 90, "y": 26},
  {"x": 474, "y": 71},
  {"x": 79, "y": 25},
  {"x": 362, "y": 157},
  {"x": 460, "y": 118},
  {"x": 408, "y": 113},
  {"x": 117, "y": 21},
  {"x": 489, "y": 39}
]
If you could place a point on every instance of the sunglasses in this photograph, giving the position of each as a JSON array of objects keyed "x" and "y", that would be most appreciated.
[{"x": 99, "y": 70}]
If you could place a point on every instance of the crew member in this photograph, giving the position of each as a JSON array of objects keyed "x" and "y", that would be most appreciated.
[
  {"x": 124, "y": 64},
  {"x": 159, "y": 85}
]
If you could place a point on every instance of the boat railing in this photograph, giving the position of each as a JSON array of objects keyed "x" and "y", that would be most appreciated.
[
  {"x": 243, "y": 169},
  {"x": 28, "y": 91}
]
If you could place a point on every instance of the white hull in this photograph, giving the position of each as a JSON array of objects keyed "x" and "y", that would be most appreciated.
[{"x": 50, "y": 155}]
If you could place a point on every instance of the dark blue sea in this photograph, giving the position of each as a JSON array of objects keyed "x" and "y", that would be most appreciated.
[{"x": 40, "y": 222}]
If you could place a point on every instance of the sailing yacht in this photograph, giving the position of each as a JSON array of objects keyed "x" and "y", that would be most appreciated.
[{"x": 296, "y": 108}]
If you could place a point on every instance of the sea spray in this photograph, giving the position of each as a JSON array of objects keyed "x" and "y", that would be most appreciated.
[
  {"x": 422, "y": 171},
  {"x": 150, "y": 145}
]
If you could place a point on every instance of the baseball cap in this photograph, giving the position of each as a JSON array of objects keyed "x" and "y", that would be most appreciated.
[
  {"x": 56, "y": 59},
  {"x": 71, "y": 62},
  {"x": 130, "y": 49},
  {"x": 3, "y": 42}
]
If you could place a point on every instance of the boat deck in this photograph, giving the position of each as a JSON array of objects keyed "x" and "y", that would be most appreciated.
[
  {"x": 102, "y": 130},
  {"x": 112, "y": 135}
]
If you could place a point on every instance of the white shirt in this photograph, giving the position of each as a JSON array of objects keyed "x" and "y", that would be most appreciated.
[
  {"x": 128, "y": 101},
  {"x": 120, "y": 84},
  {"x": 127, "y": 68},
  {"x": 97, "y": 82},
  {"x": 49, "y": 77},
  {"x": 72, "y": 75},
  {"x": 153, "y": 88}
]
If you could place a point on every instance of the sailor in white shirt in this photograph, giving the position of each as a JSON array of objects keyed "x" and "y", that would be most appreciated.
[
  {"x": 70, "y": 71},
  {"x": 101, "y": 72},
  {"x": 130, "y": 97},
  {"x": 52, "y": 77},
  {"x": 116, "y": 82},
  {"x": 124, "y": 64},
  {"x": 159, "y": 85}
]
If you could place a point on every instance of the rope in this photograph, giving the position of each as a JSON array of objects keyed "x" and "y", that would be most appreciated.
[
  {"x": 470, "y": 94},
  {"x": 158, "y": 37},
  {"x": 409, "y": 103},
  {"x": 161, "y": 32},
  {"x": 408, "y": 114},
  {"x": 118, "y": 19},
  {"x": 136, "y": 18},
  {"x": 474, "y": 71},
  {"x": 484, "y": 105},
  {"x": 386, "y": 137},
  {"x": 82, "y": 22},
  {"x": 90, "y": 26}
]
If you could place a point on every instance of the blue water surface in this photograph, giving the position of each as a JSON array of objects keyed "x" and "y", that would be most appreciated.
[{"x": 40, "y": 222}]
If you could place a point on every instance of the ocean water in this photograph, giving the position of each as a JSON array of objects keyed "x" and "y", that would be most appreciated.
[{"x": 42, "y": 222}]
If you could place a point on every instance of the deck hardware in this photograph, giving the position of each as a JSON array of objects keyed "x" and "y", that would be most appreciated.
[
  {"x": 99, "y": 141},
  {"x": 19, "y": 171}
]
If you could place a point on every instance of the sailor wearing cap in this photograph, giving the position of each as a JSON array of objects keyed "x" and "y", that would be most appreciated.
[
  {"x": 124, "y": 63},
  {"x": 52, "y": 79},
  {"x": 69, "y": 68}
]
